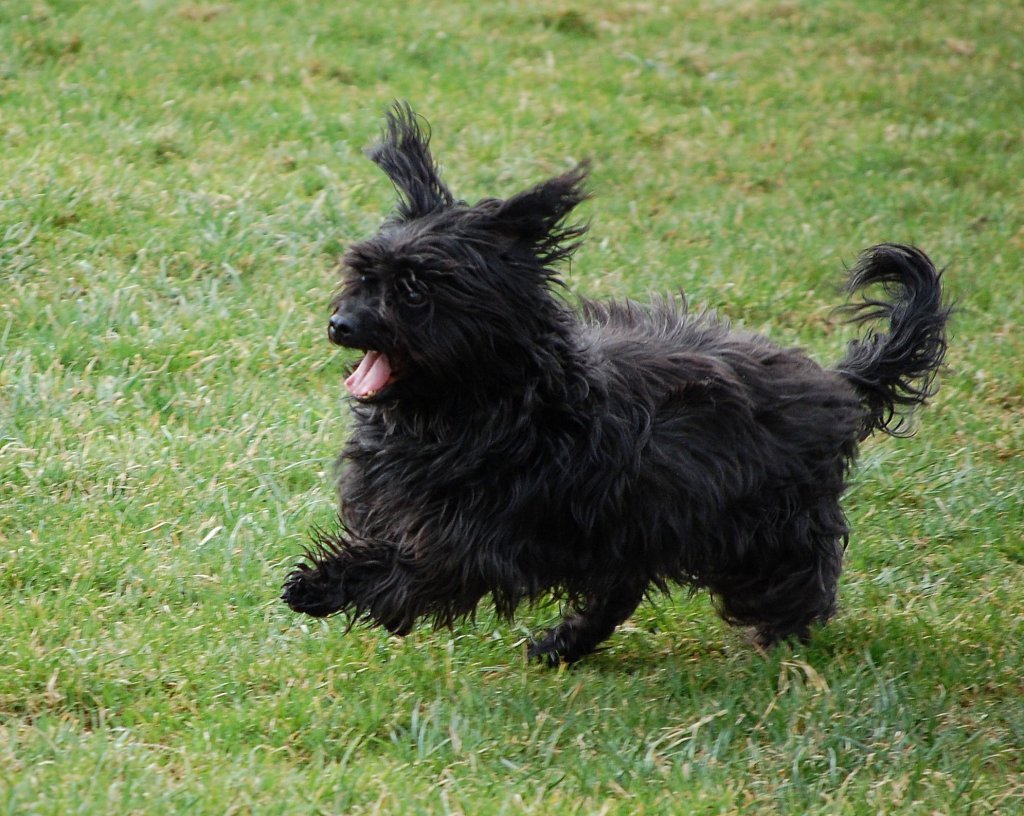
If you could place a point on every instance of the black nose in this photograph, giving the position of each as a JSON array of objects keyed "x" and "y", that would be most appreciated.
[{"x": 340, "y": 328}]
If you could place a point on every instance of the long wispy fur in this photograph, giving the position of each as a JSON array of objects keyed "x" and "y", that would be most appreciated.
[{"x": 508, "y": 444}]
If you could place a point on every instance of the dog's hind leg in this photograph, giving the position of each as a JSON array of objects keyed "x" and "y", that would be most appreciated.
[
  {"x": 587, "y": 625},
  {"x": 785, "y": 602}
]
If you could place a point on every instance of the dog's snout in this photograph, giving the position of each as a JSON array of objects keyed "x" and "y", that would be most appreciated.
[{"x": 340, "y": 328}]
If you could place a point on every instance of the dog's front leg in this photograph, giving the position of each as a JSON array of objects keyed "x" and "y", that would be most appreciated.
[
  {"x": 587, "y": 625},
  {"x": 367, "y": 579},
  {"x": 376, "y": 581}
]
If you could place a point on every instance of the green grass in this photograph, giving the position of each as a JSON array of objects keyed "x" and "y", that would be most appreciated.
[{"x": 177, "y": 179}]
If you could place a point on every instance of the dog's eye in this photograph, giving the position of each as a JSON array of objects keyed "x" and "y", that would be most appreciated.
[
  {"x": 414, "y": 297},
  {"x": 361, "y": 282},
  {"x": 411, "y": 291}
]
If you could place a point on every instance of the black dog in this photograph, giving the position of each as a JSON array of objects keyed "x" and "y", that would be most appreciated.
[{"x": 507, "y": 444}]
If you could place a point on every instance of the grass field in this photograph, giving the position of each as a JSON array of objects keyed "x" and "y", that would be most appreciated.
[{"x": 176, "y": 180}]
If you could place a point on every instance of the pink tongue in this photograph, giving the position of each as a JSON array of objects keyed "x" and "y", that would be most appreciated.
[{"x": 373, "y": 374}]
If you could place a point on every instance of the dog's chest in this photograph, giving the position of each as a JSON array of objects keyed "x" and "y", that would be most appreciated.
[{"x": 413, "y": 486}]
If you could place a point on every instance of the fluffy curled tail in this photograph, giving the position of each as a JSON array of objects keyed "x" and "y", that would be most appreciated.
[{"x": 894, "y": 370}]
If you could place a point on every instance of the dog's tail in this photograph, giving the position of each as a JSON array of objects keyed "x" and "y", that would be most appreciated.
[{"x": 894, "y": 371}]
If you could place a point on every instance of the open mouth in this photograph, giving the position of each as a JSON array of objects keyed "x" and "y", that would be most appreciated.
[{"x": 372, "y": 375}]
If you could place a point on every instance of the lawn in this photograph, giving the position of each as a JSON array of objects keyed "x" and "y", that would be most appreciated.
[{"x": 176, "y": 182}]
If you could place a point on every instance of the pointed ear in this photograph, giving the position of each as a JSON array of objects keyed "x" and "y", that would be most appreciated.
[
  {"x": 404, "y": 155},
  {"x": 536, "y": 217}
]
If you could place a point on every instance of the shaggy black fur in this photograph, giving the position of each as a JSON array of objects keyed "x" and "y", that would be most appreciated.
[{"x": 507, "y": 444}]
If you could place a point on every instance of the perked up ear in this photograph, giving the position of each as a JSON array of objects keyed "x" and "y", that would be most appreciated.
[
  {"x": 404, "y": 155},
  {"x": 536, "y": 217}
]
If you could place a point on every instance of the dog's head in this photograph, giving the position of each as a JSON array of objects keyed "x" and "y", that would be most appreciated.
[{"x": 449, "y": 295}]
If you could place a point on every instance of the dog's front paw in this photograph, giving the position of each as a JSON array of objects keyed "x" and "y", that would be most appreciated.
[
  {"x": 321, "y": 585},
  {"x": 555, "y": 648},
  {"x": 545, "y": 650},
  {"x": 306, "y": 590}
]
